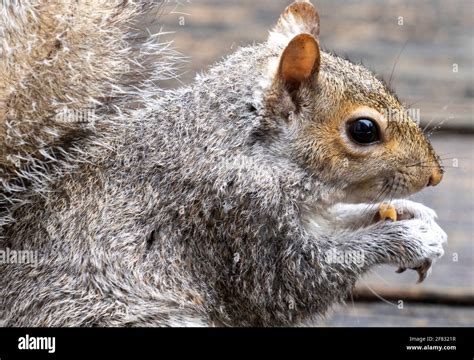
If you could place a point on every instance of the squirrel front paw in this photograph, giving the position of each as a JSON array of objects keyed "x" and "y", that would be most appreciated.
[
  {"x": 414, "y": 240},
  {"x": 415, "y": 243}
]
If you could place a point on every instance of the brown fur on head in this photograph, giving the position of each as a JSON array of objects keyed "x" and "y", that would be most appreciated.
[{"x": 325, "y": 95}]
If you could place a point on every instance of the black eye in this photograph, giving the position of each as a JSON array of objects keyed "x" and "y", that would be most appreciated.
[{"x": 364, "y": 131}]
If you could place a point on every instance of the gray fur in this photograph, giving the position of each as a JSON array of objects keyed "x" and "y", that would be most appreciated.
[{"x": 196, "y": 209}]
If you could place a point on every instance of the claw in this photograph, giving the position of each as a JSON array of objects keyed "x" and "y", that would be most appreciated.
[{"x": 423, "y": 270}]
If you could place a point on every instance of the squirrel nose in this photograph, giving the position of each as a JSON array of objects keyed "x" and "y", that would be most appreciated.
[{"x": 436, "y": 177}]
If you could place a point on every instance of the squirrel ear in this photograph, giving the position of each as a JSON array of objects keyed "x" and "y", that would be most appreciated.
[
  {"x": 299, "y": 62},
  {"x": 298, "y": 18}
]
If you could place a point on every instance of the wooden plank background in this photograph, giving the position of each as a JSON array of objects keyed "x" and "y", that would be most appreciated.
[{"x": 431, "y": 43}]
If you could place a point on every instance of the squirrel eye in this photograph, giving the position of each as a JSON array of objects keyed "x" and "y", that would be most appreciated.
[{"x": 364, "y": 131}]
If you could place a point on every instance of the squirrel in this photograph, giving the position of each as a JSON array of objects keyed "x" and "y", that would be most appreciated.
[{"x": 219, "y": 203}]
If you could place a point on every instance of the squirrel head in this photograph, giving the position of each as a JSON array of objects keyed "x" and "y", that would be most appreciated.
[{"x": 341, "y": 122}]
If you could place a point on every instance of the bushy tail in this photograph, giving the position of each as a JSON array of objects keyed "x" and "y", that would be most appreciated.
[{"x": 59, "y": 59}]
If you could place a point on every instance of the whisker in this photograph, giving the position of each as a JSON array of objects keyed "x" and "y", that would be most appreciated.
[
  {"x": 396, "y": 62},
  {"x": 435, "y": 166},
  {"x": 381, "y": 194},
  {"x": 437, "y": 127},
  {"x": 409, "y": 105},
  {"x": 434, "y": 117},
  {"x": 429, "y": 164},
  {"x": 428, "y": 124},
  {"x": 444, "y": 154},
  {"x": 456, "y": 157}
]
